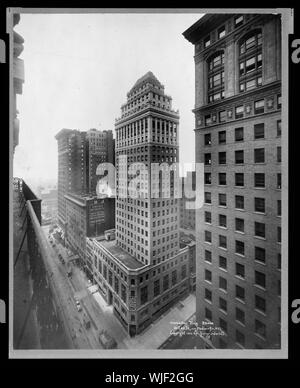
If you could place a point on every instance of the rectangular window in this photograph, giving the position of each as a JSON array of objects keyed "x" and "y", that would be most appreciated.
[
  {"x": 207, "y": 119},
  {"x": 208, "y": 275},
  {"x": 250, "y": 84},
  {"x": 239, "y": 134},
  {"x": 222, "y": 220},
  {"x": 222, "y": 178},
  {"x": 239, "y": 157},
  {"x": 279, "y": 261},
  {"x": 259, "y": 131},
  {"x": 279, "y": 234},
  {"x": 260, "y": 255},
  {"x": 250, "y": 65},
  {"x": 222, "y": 304},
  {"x": 207, "y": 159},
  {"x": 207, "y": 139},
  {"x": 183, "y": 272},
  {"x": 208, "y": 314},
  {"x": 278, "y": 154},
  {"x": 259, "y": 205},
  {"x": 222, "y": 241},
  {"x": 207, "y": 41},
  {"x": 260, "y": 279},
  {"x": 208, "y": 295},
  {"x": 207, "y": 178},
  {"x": 239, "y": 179},
  {"x": 240, "y": 270},
  {"x": 221, "y": 32},
  {"x": 279, "y": 207},
  {"x": 259, "y": 106},
  {"x": 240, "y": 315},
  {"x": 259, "y": 180},
  {"x": 239, "y": 247},
  {"x": 239, "y": 111},
  {"x": 222, "y": 116},
  {"x": 174, "y": 277},
  {"x": 223, "y": 325},
  {"x": 239, "y": 225},
  {"x": 156, "y": 290},
  {"x": 222, "y": 157},
  {"x": 144, "y": 294},
  {"x": 259, "y": 155},
  {"x": 259, "y": 229},
  {"x": 165, "y": 282},
  {"x": 260, "y": 328},
  {"x": 278, "y": 181},
  {"x": 207, "y": 255},
  {"x": 222, "y": 262},
  {"x": 222, "y": 283},
  {"x": 222, "y": 137},
  {"x": 222, "y": 200},
  {"x": 207, "y": 235},
  {"x": 260, "y": 303},
  {"x": 240, "y": 338},
  {"x": 123, "y": 293},
  {"x": 207, "y": 217},
  {"x": 239, "y": 202},
  {"x": 238, "y": 21},
  {"x": 207, "y": 197},
  {"x": 279, "y": 101},
  {"x": 278, "y": 128},
  {"x": 240, "y": 293}
]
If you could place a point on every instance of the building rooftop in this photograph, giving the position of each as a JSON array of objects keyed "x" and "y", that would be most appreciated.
[
  {"x": 125, "y": 258},
  {"x": 148, "y": 77},
  {"x": 82, "y": 199},
  {"x": 203, "y": 26}
]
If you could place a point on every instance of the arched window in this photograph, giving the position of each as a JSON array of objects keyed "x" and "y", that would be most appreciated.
[
  {"x": 216, "y": 77},
  {"x": 250, "y": 61}
]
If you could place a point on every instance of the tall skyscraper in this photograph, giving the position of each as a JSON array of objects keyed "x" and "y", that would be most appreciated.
[
  {"x": 79, "y": 154},
  {"x": 147, "y": 132},
  {"x": 18, "y": 78},
  {"x": 144, "y": 271},
  {"x": 71, "y": 167},
  {"x": 238, "y": 138},
  {"x": 100, "y": 149}
]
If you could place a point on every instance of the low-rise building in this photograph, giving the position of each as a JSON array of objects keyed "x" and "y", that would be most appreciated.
[
  {"x": 87, "y": 216},
  {"x": 139, "y": 293}
]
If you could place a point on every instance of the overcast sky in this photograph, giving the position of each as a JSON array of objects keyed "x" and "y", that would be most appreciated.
[{"x": 78, "y": 69}]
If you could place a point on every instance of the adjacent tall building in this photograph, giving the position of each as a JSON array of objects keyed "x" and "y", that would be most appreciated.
[
  {"x": 18, "y": 78},
  {"x": 238, "y": 138},
  {"x": 144, "y": 271},
  {"x": 79, "y": 154},
  {"x": 187, "y": 216}
]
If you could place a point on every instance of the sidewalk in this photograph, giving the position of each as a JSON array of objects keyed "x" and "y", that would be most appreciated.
[
  {"x": 158, "y": 332},
  {"x": 153, "y": 336}
]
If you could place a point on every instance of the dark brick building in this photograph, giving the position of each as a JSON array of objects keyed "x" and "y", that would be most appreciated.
[
  {"x": 79, "y": 154},
  {"x": 87, "y": 216}
]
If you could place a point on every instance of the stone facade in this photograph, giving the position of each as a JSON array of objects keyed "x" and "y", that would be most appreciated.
[{"x": 238, "y": 138}]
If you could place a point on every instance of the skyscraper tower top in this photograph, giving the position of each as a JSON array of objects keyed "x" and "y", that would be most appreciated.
[{"x": 147, "y": 93}]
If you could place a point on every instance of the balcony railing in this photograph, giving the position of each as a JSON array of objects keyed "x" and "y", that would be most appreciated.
[{"x": 48, "y": 298}]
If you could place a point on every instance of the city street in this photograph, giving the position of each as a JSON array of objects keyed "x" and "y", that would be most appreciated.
[
  {"x": 85, "y": 338},
  {"x": 96, "y": 311},
  {"x": 101, "y": 315}
]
